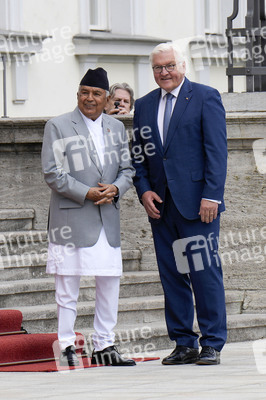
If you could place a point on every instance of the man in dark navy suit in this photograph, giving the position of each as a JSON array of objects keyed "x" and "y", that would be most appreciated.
[{"x": 180, "y": 154}]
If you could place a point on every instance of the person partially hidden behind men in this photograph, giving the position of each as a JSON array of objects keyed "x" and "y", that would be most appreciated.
[
  {"x": 181, "y": 185},
  {"x": 120, "y": 100},
  {"x": 82, "y": 164}
]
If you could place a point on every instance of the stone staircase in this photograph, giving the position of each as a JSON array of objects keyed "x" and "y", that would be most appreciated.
[
  {"x": 24, "y": 285},
  {"x": 14, "y": 220}
]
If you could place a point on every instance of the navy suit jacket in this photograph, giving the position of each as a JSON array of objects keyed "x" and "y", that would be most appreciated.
[{"x": 192, "y": 164}]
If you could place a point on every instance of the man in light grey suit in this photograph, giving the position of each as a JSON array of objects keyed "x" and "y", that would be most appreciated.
[{"x": 86, "y": 163}]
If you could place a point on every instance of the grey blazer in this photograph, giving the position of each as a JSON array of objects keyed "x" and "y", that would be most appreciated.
[{"x": 71, "y": 166}]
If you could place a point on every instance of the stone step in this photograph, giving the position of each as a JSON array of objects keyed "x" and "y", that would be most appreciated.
[
  {"x": 43, "y": 318},
  {"x": 146, "y": 337},
  {"x": 23, "y": 242},
  {"x": 142, "y": 309},
  {"x": 239, "y": 244},
  {"x": 42, "y": 290},
  {"x": 32, "y": 264},
  {"x": 254, "y": 301},
  {"x": 149, "y": 337},
  {"x": 16, "y": 219},
  {"x": 243, "y": 327},
  {"x": 17, "y": 267},
  {"x": 29, "y": 247}
]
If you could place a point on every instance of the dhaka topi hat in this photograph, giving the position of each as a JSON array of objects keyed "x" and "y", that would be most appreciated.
[{"x": 95, "y": 78}]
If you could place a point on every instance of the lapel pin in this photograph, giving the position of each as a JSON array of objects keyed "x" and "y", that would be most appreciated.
[{"x": 186, "y": 98}]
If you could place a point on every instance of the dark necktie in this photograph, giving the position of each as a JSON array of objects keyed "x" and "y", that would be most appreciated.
[{"x": 167, "y": 115}]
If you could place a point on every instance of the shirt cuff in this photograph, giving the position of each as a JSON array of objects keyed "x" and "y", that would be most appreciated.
[{"x": 214, "y": 201}]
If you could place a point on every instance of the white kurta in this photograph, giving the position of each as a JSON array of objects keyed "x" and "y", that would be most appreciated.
[{"x": 98, "y": 260}]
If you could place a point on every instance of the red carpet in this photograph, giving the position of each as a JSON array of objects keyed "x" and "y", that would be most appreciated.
[
  {"x": 10, "y": 321},
  {"x": 18, "y": 348},
  {"x": 38, "y": 352}
]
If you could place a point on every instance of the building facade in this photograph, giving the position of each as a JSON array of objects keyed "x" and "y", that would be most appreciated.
[{"x": 47, "y": 45}]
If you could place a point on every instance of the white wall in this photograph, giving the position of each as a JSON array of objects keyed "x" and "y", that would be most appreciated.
[
  {"x": 170, "y": 20},
  {"x": 53, "y": 74}
]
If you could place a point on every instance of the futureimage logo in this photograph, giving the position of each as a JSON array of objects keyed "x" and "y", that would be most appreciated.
[
  {"x": 259, "y": 149},
  {"x": 193, "y": 253},
  {"x": 259, "y": 349}
]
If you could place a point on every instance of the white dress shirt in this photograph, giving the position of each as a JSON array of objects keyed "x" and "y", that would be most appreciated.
[{"x": 162, "y": 105}]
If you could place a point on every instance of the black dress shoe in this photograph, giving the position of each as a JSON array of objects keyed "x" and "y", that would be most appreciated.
[
  {"x": 182, "y": 355},
  {"x": 68, "y": 357},
  {"x": 208, "y": 356},
  {"x": 110, "y": 356}
]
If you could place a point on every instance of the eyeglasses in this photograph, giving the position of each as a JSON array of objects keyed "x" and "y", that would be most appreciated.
[{"x": 158, "y": 69}]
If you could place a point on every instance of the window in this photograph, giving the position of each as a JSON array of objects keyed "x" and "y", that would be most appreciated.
[
  {"x": 212, "y": 16},
  {"x": 98, "y": 14}
]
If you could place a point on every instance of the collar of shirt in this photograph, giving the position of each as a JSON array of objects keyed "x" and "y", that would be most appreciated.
[
  {"x": 162, "y": 103},
  {"x": 90, "y": 122},
  {"x": 96, "y": 134},
  {"x": 174, "y": 92}
]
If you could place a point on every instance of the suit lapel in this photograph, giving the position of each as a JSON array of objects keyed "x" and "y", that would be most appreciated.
[
  {"x": 108, "y": 143},
  {"x": 81, "y": 130},
  {"x": 181, "y": 104}
]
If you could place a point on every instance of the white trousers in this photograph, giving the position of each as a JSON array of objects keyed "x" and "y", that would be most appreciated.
[{"x": 106, "y": 308}]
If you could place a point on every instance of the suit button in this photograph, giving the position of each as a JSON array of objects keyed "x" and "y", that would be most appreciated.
[{"x": 164, "y": 158}]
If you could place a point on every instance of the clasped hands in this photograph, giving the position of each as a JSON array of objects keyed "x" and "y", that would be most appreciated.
[
  {"x": 103, "y": 194},
  {"x": 208, "y": 209}
]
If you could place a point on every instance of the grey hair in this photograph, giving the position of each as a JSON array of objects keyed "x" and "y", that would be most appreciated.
[
  {"x": 160, "y": 48},
  {"x": 123, "y": 86}
]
